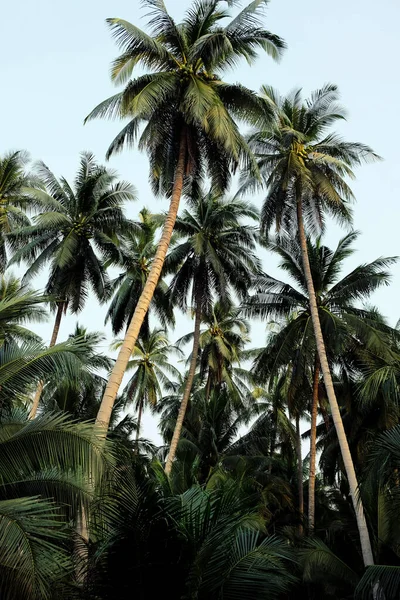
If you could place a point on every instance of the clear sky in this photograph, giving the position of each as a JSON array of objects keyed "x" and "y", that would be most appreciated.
[{"x": 55, "y": 69}]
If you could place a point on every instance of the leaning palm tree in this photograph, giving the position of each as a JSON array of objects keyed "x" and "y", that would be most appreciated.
[
  {"x": 152, "y": 367},
  {"x": 215, "y": 258},
  {"x": 304, "y": 167},
  {"x": 137, "y": 251},
  {"x": 188, "y": 112},
  {"x": 75, "y": 234},
  {"x": 14, "y": 197},
  {"x": 343, "y": 323}
]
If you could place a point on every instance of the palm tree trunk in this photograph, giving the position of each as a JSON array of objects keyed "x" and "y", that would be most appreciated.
[
  {"x": 139, "y": 421},
  {"x": 336, "y": 416},
  {"x": 54, "y": 336},
  {"x": 299, "y": 474},
  {"x": 188, "y": 387},
  {"x": 313, "y": 448},
  {"x": 114, "y": 382}
]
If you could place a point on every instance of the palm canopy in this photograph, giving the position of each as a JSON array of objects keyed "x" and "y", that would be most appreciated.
[
  {"x": 299, "y": 159},
  {"x": 77, "y": 231},
  {"x": 151, "y": 362},
  {"x": 79, "y": 392},
  {"x": 342, "y": 321},
  {"x": 216, "y": 255},
  {"x": 182, "y": 98},
  {"x": 14, "y": 197},
  {"x": 137, "y": 251},
  {"x": 19, "y": 304},
  {"x": 222, "y": 347}
]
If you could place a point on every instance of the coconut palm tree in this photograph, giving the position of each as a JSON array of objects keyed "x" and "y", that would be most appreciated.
[
  {"x": 137, "y": 251},
  {"x": 151, "y": 363},
  {"x": 14, "y": 197},
  {"x": 343, "y": 323},
  {"x": 222, "y": 349},
  {"x": 304, "y": 167},
  {"x": 188, "y": 113},
  {"x": 76, "y": 234},
  {"x": 215, "y": 258}
]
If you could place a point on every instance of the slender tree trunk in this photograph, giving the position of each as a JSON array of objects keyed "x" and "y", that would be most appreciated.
[
  {"x": 336, "y": 416},
  {"x": 186, "y": 395},
  {"x": 114, "y": 382},
  {"x": 313, "y": 448},
  {"x": 56, "y": 329},
  {"x": 139, "y": 421},
  {"x": 299, "y": 474}
]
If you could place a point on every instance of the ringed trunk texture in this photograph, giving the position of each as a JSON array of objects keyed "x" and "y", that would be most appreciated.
[
  {"x": 313, "y": 448},
  {"x": 186, "y": 395},
  {"x": 336, "y": 416},
  {"x": 299, "y": 474},
  {"x": 114, "y": 382},
  {"x": 54, "y": 336}
]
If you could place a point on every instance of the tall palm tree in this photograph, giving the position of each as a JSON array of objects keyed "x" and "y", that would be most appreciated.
[
  {"x": 14, "y": 197},
  {"x": 342, "y": 322},
  {"x": 215, "y": 258},
  {"x": 137, "y": 251},
  {"x": 188, "y": 112},
  {"x": 152, "y": 367},
  {"x": 75, "y": 235},
  {"x": 304, "y": 167}
]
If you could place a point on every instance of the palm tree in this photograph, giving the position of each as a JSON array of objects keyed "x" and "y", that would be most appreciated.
[
  {"x": 188, "y": 113},
  {"x": 14, "y": 197},
  {"x": 222, "y": 349},
  {"x": 79, "y": 396},
  {"x": 151, "y": 362},
  {"x": 137, "y": 252},
  {"x": 215, "y": 258},
  {"x": 343, "y": 323},
  {"x": 75, "y": 235},
  {"x": 19, "y": 304},
  {"x": 304, "y": 168}
]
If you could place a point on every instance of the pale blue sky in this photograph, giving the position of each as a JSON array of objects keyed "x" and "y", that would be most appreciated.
[{"x": 55, "y": 69}]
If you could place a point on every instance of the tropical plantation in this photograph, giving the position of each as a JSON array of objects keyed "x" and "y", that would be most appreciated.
[{"x": 277, "y": 476}]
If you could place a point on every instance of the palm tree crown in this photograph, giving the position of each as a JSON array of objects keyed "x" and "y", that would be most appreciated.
[
  {"x": 182, "y": 96},
  {"x": 299, "y": 158},
  {"x": 14, "y": 197},
  {"x": 137, "y": 250},
  {"x": 78, "y": 224}
]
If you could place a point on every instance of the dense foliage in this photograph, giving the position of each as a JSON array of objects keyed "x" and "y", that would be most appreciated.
[{"x": 278, "y": 476}]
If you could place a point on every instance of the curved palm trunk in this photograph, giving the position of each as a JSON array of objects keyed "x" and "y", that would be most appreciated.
[
  {"x": 299, "y": 474},
  {"x": 313, "y": 448},
  {"x": 114, "y": 382},
  {"x": 336, "y": 416},
  {"x": 185, "y": 399},
  {"x": 54, "y": 336},
  {"x": 139, "y": 421}
]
